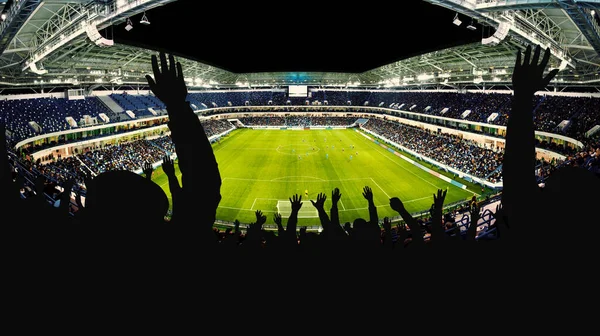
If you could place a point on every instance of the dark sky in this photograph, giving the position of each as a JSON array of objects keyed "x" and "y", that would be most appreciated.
[{"x": 298, "y": 36}]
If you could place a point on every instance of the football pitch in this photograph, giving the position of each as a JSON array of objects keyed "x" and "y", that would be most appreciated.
[{"x": 262, "y": 169}]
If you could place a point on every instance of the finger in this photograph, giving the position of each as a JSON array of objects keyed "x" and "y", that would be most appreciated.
[
  {"x": 163, "y": 63},
  {"x": 172, "y": 65},
  {"x": 151, "y": 82},
  {"x": 180, "y": 73},
  {"x": 518, "y": 62},
  {"x": 527, "y": 55},
  {"x": 536, "y": 55},
  {"x": 549, "y": 77},
  {"x": 155, "y": 69},
  {"x": 545, "y": 59}
]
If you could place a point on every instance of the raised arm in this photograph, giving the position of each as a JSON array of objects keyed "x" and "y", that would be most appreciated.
[
  {"x": 201, "y": 181},
  {"x": 437, "y": 231},
  {"x": 368, "y": 195},
  {"x": 518, "y": 167},
  {"x": 174, "y": 187},
  {"x": 415, "y": 229},
  {"x": 296, "y": 202},
  {"x": 336, "y": 227},
  {"x": 323, "y": 217}
]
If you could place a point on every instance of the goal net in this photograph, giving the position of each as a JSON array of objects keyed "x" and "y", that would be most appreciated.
[{"x": 306, "y": 211}]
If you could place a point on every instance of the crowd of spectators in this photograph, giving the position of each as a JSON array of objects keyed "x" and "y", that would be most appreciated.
[{"x": 464, "y": 155}]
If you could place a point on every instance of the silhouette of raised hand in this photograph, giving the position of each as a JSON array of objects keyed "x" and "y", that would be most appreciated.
[
  {"x": 324, "y": 218},
  {"x": 277, "y": 220},
  {"x": 437, "y": 231},
  {"x": 367, "y": 193},
  {"x": 438, "y": 201},
  {"x": 528, "y": 75},
  {"x": 373, "y": 216},
  {"x": 320, "y": 203},
  {"x": 519, "y": 181},
  {"x": 296, "y": 203},
  {"x": 168, "y": 83},
  {"x": 260, "y": 218},
  {"x": 397, "y": 205},
  {"x": 415, "y": 230},
  {"x": 255, "y": 230},
  {"x": 336, "y": 195},
  {"x": 147, "y": 170},
  {"x": 168, "y": 166},
  {"x": 337, "y": 230}
]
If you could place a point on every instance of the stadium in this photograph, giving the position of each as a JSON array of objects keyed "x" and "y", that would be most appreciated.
[{"x": 77, "y": 104}]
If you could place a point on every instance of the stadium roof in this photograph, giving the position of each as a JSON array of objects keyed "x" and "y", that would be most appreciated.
[{"x": 59, "y": 44}]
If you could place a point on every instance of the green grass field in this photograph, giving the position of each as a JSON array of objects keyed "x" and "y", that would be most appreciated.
[{"x": 262, "y": 169}]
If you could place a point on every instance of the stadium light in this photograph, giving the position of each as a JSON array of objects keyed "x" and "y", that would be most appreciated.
[
  {"x": 456, "y": 20},
  {"x": 129, "y": 25},
  {"x": 144, "y": 20},
  {"x": 3, "y": 16},
  {"x": 471, "y": 26}
]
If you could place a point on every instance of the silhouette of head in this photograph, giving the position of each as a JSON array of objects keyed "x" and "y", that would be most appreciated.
[{"x": 124, "y": 197}]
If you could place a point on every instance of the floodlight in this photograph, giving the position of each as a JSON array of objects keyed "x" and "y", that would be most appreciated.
[
  {"x": 3, "y": 16},
  {"x": 144, "y": 20},
  {"x": 471, "y": 26},
  {"x": 129, "y": 25},
  {"x": 456, "y": 20}
]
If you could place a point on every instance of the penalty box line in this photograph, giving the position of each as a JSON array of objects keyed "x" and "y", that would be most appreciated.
[{"x": 307, "y": 210}]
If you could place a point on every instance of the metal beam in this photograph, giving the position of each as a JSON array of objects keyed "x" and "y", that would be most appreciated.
[
  {"x": 521, "y": 28},
  {"x": 16, "y": 17},
  {"x": 70, "y": 23},
  {"x": 584, "y": 20}
]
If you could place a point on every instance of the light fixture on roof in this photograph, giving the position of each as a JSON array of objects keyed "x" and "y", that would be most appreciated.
[
  {"x": 144, "y": 20},
  {"x": 129, "y": 25},
  {"x": 456, "y": 20},
  {"x": 471, "y": 26}
]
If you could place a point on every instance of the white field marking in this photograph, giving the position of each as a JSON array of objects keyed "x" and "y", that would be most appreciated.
[
  {"x": 285, "y": 177},
  {"x": 252, "y": 207},
  {"x": 282, "y": 202},
  {"x": 225, "y": 207},
  {"x": 426, "y": 180},
  {"x": 218, "y": 149},
  {"x": 342, "y": 204},
  {"x": 399, "y": 165},
  {"x": 387, "y": 205},
  {"x": 280, "y": 179},
  {"x": 380, "y": 188}
]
